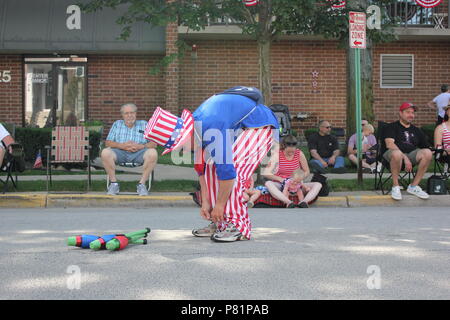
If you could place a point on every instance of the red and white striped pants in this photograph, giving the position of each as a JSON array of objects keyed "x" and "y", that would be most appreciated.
[{"x": 250, "y": 147}]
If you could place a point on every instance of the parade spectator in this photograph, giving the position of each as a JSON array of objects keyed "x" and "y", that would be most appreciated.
[
  {"x": 442, "y": 136},
  {"x": 5, "y": 141},
  {"x": 324, "y": 150},
  {"x": 368, "y": 141},
  {"x": 440, "y": 102},
  {"x": 295, "y": 186},
  {"x": 405, "y": 144},
  {"x": 250, "y": 193},
  {"x": 126, "y": 144},
  {"x": 280, "y": 168}
]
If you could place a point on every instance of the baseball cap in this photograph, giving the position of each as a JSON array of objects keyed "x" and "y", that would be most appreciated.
[{"x": 407, "y": 105}]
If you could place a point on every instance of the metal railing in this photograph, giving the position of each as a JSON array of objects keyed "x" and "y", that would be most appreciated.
[{"x": 407, "y": 13}]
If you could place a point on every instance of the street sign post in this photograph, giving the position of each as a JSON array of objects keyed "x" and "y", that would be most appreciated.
[{"x": 357, "y": 38}]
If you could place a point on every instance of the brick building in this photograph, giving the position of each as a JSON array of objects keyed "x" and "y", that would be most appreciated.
[{"x": 62, "y": 66}]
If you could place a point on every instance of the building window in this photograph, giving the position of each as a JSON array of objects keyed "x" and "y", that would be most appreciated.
[
  {"x": 55, "y": 91},
  {"x": 397, "y": 71}
]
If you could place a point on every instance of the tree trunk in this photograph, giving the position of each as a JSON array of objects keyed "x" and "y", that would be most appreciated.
[{"x": 265, "y": 78}]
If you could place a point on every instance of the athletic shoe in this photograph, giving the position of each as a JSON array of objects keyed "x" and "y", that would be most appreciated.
[
  {"x": 141, "y": 190},
  {"x": 302, "y": 205},
  {"x": 207, "y": 231},
  {"x": 396, "y": 193},
  {"x": 290, "y": 205},
  {"x": 113, "y": 189},
  {"x": 230, "y": 234},
  {"x": 417, "y": 191},
  {"x": 338, "y": 170},
  {"x": 250, "y": 204}
]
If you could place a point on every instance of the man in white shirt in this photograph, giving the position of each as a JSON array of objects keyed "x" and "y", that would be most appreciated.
[
  {"x": 440, "y": 101},
  {"x": 6, "y": 140}
]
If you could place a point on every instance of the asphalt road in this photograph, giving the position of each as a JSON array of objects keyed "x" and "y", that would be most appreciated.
[{"x": 342, "y": 253}]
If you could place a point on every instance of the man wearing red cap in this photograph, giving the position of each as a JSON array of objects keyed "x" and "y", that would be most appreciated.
[
  {"x": 406, "y": 145},
  {"x": 233, "y": 132}
]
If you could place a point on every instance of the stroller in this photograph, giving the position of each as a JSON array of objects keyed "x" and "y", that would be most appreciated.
[{"x": 281, "y": 111}]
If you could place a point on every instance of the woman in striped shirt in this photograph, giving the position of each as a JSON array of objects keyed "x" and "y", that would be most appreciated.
[
  {"x": 442, "y": 133},
  {"x": 282, "y": 165}
]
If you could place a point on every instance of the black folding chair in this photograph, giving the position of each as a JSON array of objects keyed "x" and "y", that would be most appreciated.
[
  {"x": 441, "y": 163},
  {"x": 12, "y": 164},
  {"x": 382, "y": 165}
]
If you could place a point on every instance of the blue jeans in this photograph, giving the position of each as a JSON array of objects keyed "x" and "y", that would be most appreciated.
[{"x": 339, "y": 163}]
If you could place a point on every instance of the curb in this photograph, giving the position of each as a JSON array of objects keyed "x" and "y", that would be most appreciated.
[{"x": 105, "y": 201}]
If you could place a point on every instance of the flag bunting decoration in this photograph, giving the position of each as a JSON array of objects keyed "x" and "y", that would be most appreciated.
[
  {"x": 428, "y": 3},
  {"x": 249, "y": 3}
]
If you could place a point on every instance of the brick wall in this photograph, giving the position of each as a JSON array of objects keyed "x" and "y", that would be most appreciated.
[
  {"x": 431, "y": 70},
  {"x": 223, "y": 64},
  {"x": 11, "y": 92},
  {"x": 116, "y": 79}
]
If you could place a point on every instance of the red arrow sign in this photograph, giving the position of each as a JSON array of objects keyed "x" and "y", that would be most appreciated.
[{"x": 357, "y": 43}]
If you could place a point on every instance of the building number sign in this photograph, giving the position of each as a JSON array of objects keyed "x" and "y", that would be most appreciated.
[{"x": 5, "y": 75}]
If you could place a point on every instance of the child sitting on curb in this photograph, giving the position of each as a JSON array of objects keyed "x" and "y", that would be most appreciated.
[
  {"x": 295, "y": 186},
  {"x": 250, "y": 194}
]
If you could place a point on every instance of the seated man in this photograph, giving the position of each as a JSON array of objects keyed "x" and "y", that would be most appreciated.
[
  {"x": 5, "y": 141},
  {"x": 126, "y": 144},
  {"x": 406, "y": 144},
  {"x": 368, "y": 141},
  {"x": 324, "y": 149}
]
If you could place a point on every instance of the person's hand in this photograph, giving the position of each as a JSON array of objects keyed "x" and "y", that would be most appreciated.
[
  {"x": 408, "y": 165},
  {"x": 217, "y": 214},
  {"x": 332, "y": 160},
  {"x": 205, "y": 210},
  {"x": 324, "y": 163}
]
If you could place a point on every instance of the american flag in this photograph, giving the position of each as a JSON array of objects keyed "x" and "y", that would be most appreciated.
[
  {"x": 38, "y": 161},
  {"x": 249, "y": 3},
  {"x": 428, "y": 3}
]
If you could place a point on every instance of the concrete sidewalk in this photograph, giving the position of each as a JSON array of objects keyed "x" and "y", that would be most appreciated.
[{"x": 181, "y": 199}]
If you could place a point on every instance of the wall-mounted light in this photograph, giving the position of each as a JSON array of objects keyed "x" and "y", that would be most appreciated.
[{"x": 194, "y": 52}]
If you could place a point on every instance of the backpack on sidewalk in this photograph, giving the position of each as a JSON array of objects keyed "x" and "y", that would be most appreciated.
[
  {"x": 325, "y": 190},
  {"x": 437, "y": 185}
]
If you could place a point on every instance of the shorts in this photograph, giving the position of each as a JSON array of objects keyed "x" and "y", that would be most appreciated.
[
  {"x": 123, "y": 156},
  {"x": 412, "y": 156}
]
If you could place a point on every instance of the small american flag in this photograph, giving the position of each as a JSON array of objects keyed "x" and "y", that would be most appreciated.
[
  {"x": 38, "y": 161},
  {"x": 249, "y": 3},
  {"x": 428, "y": 3}
]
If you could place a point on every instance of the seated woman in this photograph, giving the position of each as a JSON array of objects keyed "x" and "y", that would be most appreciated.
[
  {"x": 442, "y": 136},
  {"x": 282, "y": 165}
]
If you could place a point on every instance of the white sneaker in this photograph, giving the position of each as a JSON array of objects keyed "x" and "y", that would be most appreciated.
[
  {"x": 418, "y": 192},
  {"x": 396, "y": 193}
]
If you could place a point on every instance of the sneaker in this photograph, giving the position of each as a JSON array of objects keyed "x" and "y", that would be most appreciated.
[
  {"x": 207, "y": 231},
  {"x": 290, "y": 205},
  {"x": 338, "y": 170},
  {"x": 230, "y": 234},
  {"x": 113, "y": 189},
  {"x": 367, "y": 170},
  {"x": 302, "y": 205},
  {"x": 250, "y": 204},
  {"x": 417, "y": 191},
  {"x": 396, "y": 193},
  {"x": 141, "y": 190}
]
